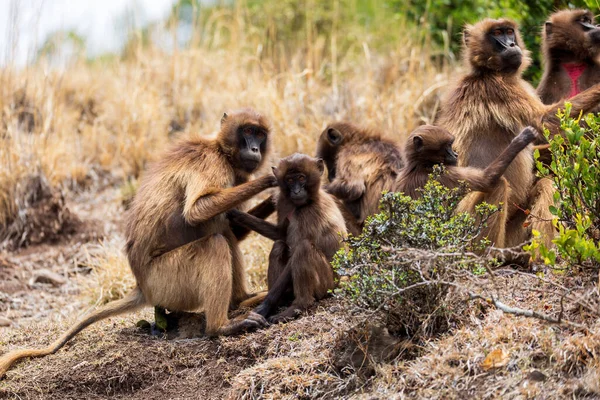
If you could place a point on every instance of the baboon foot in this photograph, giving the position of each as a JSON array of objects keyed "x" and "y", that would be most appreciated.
[
  {"x": 246, "y": 323},
  {"x": 289, "y": 314}
]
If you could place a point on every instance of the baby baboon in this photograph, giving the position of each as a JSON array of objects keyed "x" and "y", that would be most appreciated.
[
  {"x": 490, "y": 105},
  {"x": 309, "y": 231},
  {"x": 571, "y": 46},
  {"x": 360, "y": 164},
  {"x": 430, "y": 145},
  {"x": 208, "y": 177}
]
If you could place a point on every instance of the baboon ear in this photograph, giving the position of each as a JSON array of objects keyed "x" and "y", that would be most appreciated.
[
  {"x": 334, "y": 136},
  {"x": 548, "y": 28},
  {"x": 418, "y": 142},
  {"x": 320, "y": 165},
  {"x": 466, "y": 36},
  {"x": 275, "y": 170},
  {"x": 223, "y": 118}
]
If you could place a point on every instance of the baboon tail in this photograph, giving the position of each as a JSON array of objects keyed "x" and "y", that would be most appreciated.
[
  {"x": 254, "y": 300},
  {"x": 130, "y": 302}
]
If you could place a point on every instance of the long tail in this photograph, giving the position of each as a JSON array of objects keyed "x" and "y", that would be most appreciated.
[
  {"x": 254, "y": 300},
  {"x": 131, "y": 302}
]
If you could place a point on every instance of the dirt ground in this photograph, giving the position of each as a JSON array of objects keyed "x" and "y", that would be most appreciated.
[{"x": 316, "y": 356}]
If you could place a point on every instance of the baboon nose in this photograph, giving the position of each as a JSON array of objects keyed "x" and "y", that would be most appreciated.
[
  {"x": 512, "y": 44},
  {"x": 254, "y": 149}
]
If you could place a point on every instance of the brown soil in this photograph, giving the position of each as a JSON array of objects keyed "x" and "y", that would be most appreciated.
[{"x": 320, "y": 355}]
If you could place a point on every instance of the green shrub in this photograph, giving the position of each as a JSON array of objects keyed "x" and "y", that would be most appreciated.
[
  {"x": 575, "y": 171},
  {"x": 408, "y": 256}
]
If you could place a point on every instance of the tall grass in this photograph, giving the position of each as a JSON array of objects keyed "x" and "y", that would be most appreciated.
[{"x": 301, "y": 63}]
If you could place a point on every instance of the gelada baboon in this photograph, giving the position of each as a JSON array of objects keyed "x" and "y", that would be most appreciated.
[
  {"x": 360, "y": 164},
  {"x": 490, "y": 105},
  {"x": 571, "y": 46},
  {"x": 207, "y": 177},
  {"x": 309, "y": 231},
  {"x": 430, "y": 145}
]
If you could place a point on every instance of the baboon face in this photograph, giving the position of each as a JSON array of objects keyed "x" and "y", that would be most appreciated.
[
  {"x": 575, "y": 31},
  {"x": 504, "y": 40},
  {"x": 495, "y": 44},
  {"x": 299, "y": 177},
  {"x": 432, "y": 145},
  {"x": 244, "y": 137},
  {"x": 252, "y": 141}
]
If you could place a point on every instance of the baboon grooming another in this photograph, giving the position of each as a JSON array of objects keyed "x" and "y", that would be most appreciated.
[
  {"x": 430, "y": 145},
  {"x": 203, "y": 179},
  {"x": 490, "y": 105},
  {"x": 571, "y": 46},
  {"x": 308, "y": 233},
  {"x": 360, "y": 164}
]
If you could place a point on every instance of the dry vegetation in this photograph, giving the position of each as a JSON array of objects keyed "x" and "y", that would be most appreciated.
[{"x": 89, "y": 131}]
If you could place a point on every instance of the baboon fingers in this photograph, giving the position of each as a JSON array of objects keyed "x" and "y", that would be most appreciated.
[{"x": 253, "y": 316}]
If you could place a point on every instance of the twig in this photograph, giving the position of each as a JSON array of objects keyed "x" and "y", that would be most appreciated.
[{"x": 525, "y": 313}]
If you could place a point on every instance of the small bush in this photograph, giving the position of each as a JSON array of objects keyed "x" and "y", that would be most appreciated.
[
  {"x": 575, "y": 171},
  {"x": 409, "y": 255}
]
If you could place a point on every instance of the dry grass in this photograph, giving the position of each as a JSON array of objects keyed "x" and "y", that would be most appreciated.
[{"x": 110, "y": 276}]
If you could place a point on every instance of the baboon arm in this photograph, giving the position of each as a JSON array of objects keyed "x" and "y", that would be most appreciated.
[
  {"x": 276, "y": 292},
  {"x": 261, "y": 210},
  {"x": 258, "y": 225},
  {"x": 347, "y": 191},
  {"x": 206, "y": 203},
  {"x": 583, "y": 102}
]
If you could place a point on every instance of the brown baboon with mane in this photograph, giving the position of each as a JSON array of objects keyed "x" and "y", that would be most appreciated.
[
  {"x": 430, "y": 145},
  {"x": 490, "y": 105},
  {"x": 196, "y": 181},
  {"x": 571, "y": 46},
  {"x": 309, "y": 231},
  {"x": 360, "y": 165}
]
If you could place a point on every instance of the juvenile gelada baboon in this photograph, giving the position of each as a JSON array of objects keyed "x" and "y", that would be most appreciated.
[
  {"x": 309, "y": 231},
  {"x": 571, "y": 46},
  {"x": 199, "y": 179},
  {"x": 490, "y": 105},
  {"x": 430, "y": 145},
  {"x": 360, "y": 165}
]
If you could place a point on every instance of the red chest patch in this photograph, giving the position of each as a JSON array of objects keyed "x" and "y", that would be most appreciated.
[{"x": 574, "y": 71}]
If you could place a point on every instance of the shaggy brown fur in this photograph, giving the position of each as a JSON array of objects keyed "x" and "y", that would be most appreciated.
[
  {"x": 308, "y": 233},
  {"x": 490, "y": 105},
  {"x": 361, "y": 164},
  {"x": 570, "y": 39},
  {"x": 430, "y": 145},
  {"x": 208, "y": 177}
]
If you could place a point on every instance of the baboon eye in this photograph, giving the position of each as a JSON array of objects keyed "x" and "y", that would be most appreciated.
[
  {"x": 301, "y": 179},
  {"x": 497, "y": 32},
  {"x": 247, "y": 131},
  {"x": 289, "y": 181},
  {"x": 260, "y": 135},
  {"x": 510, "y": 31}
]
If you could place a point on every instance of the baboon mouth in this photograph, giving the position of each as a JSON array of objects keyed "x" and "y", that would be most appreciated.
[{"x": 250, "y": 164}]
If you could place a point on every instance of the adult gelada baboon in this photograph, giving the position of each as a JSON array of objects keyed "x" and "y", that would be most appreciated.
[
  {"x": 360, "y": 164},
  {"x": 431, "y": 145},
  {"x": 196, "y": 181},
  {"x": 490, "y": 105},
  {"x": 309, "y": 231},
  {"x": 571, "y": 46}
]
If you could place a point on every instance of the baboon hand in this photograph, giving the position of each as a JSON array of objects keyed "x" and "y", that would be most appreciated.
[
  {"x": 528, "y": 135},
  {"x": 270, "y": 180}
]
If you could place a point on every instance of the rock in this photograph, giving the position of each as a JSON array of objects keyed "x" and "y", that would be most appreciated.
[
  {"x": 537, "y": 376},
  {"x": 47, "y": 276},
  {"x": 4, "y": 322}
]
